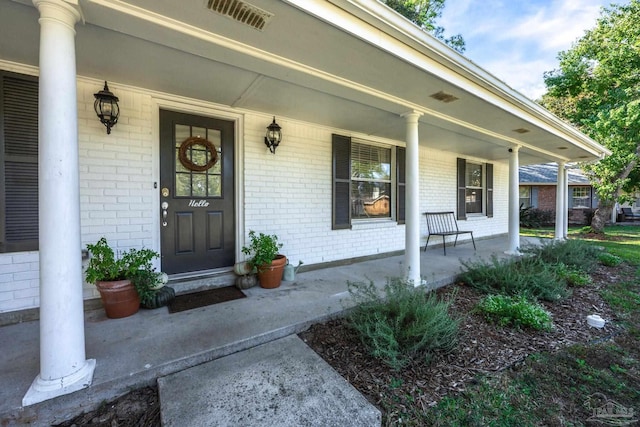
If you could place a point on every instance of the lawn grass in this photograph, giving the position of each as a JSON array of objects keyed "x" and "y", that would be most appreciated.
[
  {"x": 620, "y": 240},
  {"x": 567, "y": 387}
]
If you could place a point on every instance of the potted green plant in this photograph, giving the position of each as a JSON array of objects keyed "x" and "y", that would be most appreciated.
[
  {"x": 112, "y": 276},
  {"x": 268, "y": 262},
  {"x": 151, "y": 288}
]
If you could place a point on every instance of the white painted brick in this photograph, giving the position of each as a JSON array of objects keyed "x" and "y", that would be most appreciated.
[
  {"x": 18, "y": 304},
  {"x": 117, "y": 195},
  {"x": 17, "y": 285},
  {"x": 26, "y": 293},
  {"x": 15, "y": 268},
  {"x": 26, "y": 275},
  {"x": 24, "y": 257},
  {"x": 5, "y": 296}
]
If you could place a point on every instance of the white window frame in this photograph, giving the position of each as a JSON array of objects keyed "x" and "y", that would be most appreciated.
[
  {"x": 482, "y": 188},
  {"x": 392, "y": 181},
  {"x": 527, "y": 197},
  {"x": 584, "y": 200}
]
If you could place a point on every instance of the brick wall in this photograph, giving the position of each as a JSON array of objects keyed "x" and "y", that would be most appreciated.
[
  {"x": 19, "y": 284},
  {"x": 116, "y": 172},
  {"x": 288, "y": 194},
  {"x": 116, "y": 190},
  {"x": 547, "y": 197},
  {"x": 547, "y": 202}
]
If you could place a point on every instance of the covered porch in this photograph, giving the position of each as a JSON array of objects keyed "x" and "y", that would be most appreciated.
[
  {"x": 350, "y": 66},
  {"x": 134, "y": 351}
]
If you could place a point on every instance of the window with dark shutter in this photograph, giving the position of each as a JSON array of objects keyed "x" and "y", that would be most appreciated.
[
  {"x": 401, "y": 155},
  {"x": 489, "y": 175},
  {"x": 18, "y": 162},
  {"x": 462, "y": 189},
  {"x": 341, "y": 182},
  {"x": 475, "y": 193},
  {"x": 363, "y": 180}
]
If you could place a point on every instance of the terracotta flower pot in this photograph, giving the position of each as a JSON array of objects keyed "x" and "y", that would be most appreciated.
[
  {"x": 120, "y": 298},
  {"x": 270, "y": 275}
]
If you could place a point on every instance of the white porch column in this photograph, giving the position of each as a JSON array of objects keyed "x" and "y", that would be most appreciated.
[
  {"x": 565, "y": 202},
  {"x": 412, "y": 201},
  {"x": 514, "y": 201},
  {"x": 63, "y": 366},
  {"x": 561, "y": 203}
]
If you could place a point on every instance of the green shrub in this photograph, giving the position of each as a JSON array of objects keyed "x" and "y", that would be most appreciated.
[
  {"x": 145, "y": 282},
  {"x": 572, "y": 253},
  {"x": 531, "y": 217},
  {"x": 609, "y": 260},
  {"x": 527, "y": 276},
  {"x": 401, "y": 323},
  {"x": 516, "y": 311},
  {"x": 573, "y": 276}
]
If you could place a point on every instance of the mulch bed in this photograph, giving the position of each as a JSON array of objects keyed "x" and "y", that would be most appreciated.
[{"x": 484, "y": 347}]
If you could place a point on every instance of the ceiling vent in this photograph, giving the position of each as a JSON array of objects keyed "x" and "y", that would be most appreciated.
[
  {"x": 444, "y": 97},
  {"x": 241, "y": 11},
  {"x": 521, "y": 130}
]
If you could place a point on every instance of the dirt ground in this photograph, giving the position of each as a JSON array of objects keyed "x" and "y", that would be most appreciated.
[{"x": 485, "y": 348}]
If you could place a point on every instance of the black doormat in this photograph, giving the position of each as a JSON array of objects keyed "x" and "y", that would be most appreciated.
[{"x": 204, "y": 298}]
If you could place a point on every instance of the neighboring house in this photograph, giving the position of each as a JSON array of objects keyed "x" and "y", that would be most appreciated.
[
  {"x": 380, "y": 122},
  {"x": 538, "y": 189}
]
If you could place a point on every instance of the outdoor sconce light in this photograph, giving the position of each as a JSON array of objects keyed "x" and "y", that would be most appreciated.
[
  {"x": 106, "y": 106},
  {"x": 273, "y": 137}
]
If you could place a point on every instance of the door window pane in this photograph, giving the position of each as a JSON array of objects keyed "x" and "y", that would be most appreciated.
[
  {"x": 197, "y": 183},
  {"x": 183, "y": 185},
  {"x": 182, "y": 132},
  {"x": 214, "y": 186}
]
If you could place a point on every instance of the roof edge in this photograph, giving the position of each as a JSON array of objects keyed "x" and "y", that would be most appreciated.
[{"x": 394, "y": 25}]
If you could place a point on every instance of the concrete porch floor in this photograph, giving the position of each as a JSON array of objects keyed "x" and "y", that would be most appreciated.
[{"x": 135, "y": 351}]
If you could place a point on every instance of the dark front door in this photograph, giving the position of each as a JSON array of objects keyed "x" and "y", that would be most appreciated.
[{"x": 196, "y": 192}]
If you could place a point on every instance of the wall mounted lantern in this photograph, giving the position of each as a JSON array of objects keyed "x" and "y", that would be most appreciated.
[
  {"x": 106, "y": 106},
  {"x": 273, "y": 137}
]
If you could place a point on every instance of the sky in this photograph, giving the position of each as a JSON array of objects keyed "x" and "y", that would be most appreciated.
[{"x": 518, "y": 40}]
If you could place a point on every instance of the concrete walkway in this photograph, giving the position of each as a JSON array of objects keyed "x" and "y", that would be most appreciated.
[{"x": 136, "y": 351}]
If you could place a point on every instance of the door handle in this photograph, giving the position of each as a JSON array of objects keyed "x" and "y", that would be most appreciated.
[{"x": 164, "y": 207}]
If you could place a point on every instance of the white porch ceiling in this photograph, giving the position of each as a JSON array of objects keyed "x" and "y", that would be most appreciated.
[{"x": 302, "y": 67}]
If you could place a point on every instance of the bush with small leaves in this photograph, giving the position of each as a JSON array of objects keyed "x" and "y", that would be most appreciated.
[
  {"x": 531, "y": 217},
  {"x": 573, "y": 276},
  {"x": 528, "y": 276},
  {"x": 517, "y": 311},
  {"x": 609, "y": 260},
  {"x": 572, "y": 253},
  {"x": 402, "y": 323}
]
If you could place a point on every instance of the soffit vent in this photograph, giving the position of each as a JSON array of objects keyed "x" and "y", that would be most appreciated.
[
  {"x": 241, "y": 11},
  {"x": 521, "y": 130},
  {"x": 444, "y": 97}
]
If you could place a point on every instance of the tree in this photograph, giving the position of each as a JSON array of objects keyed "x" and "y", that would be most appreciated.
[
  {"x": 424, "y": 13},
  {"x": 597, "y": 89}
]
